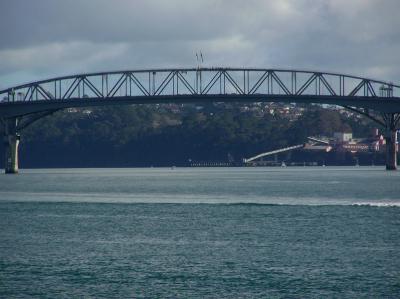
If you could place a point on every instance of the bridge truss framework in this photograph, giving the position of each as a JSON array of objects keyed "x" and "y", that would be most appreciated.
[{"x": 23, "y": 104}]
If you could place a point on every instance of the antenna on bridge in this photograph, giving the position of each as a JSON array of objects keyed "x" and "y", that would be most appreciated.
[{"x": 200, "y": 59}]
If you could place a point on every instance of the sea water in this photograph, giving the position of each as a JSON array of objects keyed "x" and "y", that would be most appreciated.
[{"x": 200, "y": 233}]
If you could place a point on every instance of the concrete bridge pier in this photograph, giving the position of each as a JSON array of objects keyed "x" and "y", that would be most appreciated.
[
  {"x": 391, "y": 150},
  {"x": 11, "y": 143},
  {"x": 391, "y": 141}
]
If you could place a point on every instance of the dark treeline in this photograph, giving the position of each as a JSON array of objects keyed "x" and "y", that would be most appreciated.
[{"x": 143, "y": 135}]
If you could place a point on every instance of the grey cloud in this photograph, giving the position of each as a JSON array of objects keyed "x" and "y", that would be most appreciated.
[{"x": 45, "y": 38}]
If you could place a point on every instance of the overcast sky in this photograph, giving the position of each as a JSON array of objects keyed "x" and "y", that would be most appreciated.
[{"x": 46, "y": 38}]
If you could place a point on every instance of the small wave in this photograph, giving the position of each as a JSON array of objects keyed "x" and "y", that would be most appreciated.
[
  {"x": 332, "y": 204},
  {"x": 249, "y": 204},
  {"x": 377, "y": 204},
  {"x": 176, "y": 198}
]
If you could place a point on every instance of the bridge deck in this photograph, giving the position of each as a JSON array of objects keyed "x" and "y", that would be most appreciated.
[{"x": 200, "y": 85}]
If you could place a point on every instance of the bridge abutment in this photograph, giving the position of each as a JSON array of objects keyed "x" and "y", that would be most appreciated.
[{"x": 11, "y": 143}]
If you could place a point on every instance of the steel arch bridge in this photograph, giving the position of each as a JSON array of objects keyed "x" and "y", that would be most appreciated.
[{"x": 23, "y": 104}]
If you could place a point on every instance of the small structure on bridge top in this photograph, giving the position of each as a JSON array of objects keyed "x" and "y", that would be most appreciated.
[{"x": 23, "y": 104}]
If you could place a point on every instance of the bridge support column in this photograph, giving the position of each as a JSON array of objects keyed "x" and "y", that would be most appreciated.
[
  {"x": 391, "y": 142},
  {"x": 391, "y": 150},
  {"x": 11, "y": 143}
]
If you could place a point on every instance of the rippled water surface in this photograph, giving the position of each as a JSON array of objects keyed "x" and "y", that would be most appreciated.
[{"x": 200, "y": 233}]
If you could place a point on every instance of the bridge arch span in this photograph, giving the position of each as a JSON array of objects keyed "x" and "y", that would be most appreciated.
[
  {"x": 200, "y": 84},
  {"x": 23, "y": 104}
]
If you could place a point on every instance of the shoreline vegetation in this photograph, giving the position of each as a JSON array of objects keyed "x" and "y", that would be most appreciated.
[{"x": 186, "y": 135}]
